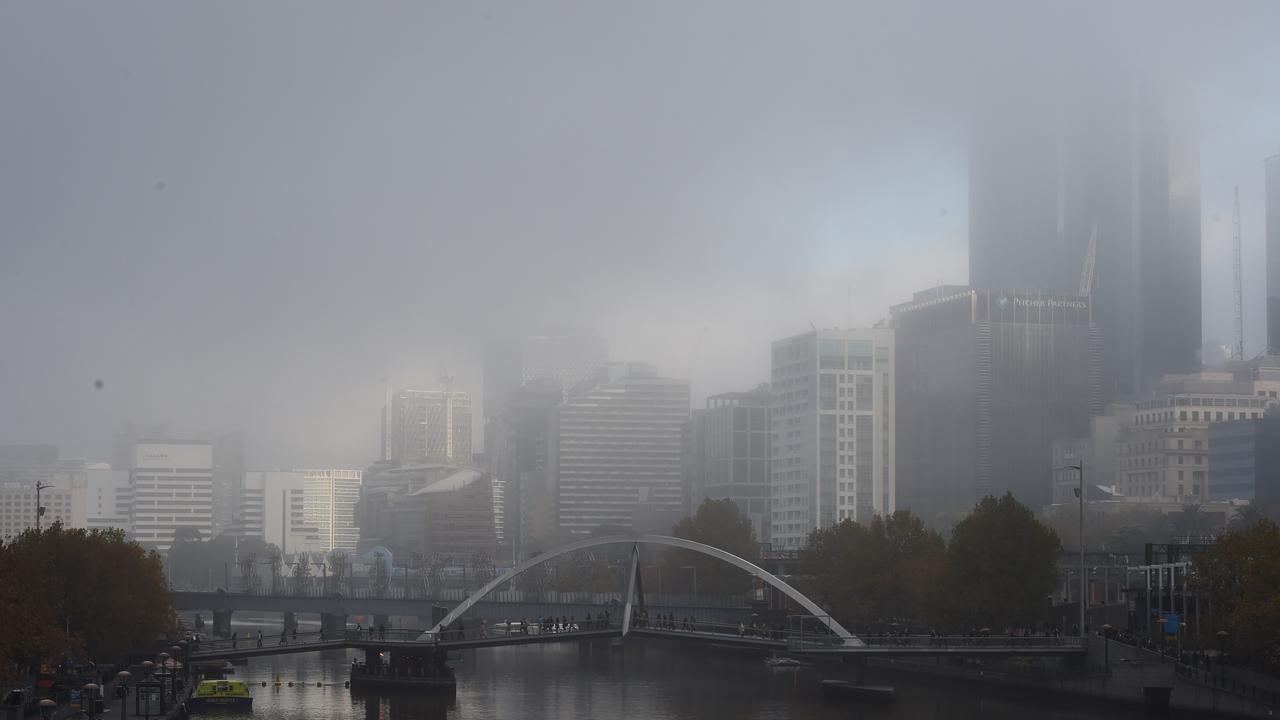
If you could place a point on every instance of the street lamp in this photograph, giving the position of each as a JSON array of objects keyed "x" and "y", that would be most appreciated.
[
  {"x": 40, "y": 508},
  {"x": 695, "y": 581},
  {"x": 122, "y": 688},
  {"x": 46, "y": 708},
  {"x": 1084, "y": 579},
  {"x": 88, "y": 698},
  {"x": 1106, "y": 649}
]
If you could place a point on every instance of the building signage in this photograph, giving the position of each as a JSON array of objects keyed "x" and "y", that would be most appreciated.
[{"x": 1005, "y": 302}]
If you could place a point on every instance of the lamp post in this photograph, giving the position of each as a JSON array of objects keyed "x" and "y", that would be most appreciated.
[
  {"x": 1084, "y": 578},
  {"x": 1106, "y": 649},
  {"x": 88, "y": 698},
  {"x": 122, "y": 688},
  {"x": 40, "y": 508},
  {"x": 695, "y": 581},
  {"x": 46, "y": 707}
]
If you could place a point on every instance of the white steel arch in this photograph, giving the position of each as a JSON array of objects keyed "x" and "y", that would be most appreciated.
[{"x": 675, "y": 542}]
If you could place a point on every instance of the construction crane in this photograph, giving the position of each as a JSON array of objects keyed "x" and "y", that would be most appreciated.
[
  {"x": 1090, "y": 261},
  {"x": 1238, "y": 288}
]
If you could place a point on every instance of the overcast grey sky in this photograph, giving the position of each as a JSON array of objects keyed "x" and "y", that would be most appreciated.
[{"x": 246, "y": 215}]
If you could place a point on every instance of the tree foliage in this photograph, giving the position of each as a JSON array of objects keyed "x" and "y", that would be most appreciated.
[
  {"x": 1240, "y": 573},
  {"x": 720, "y": 524},
  {"x": 871, "y": 576},
  {"x": 79, "y": 592},
  {"x": 1001, "y": 566}
]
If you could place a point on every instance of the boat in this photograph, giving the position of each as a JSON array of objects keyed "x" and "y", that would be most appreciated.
[
  {"x": 212, "y": 695},
  {"x": 782, "y": 662}
]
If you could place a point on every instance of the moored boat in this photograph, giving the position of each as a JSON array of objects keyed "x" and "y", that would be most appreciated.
[{"x": 213, "y": 695}]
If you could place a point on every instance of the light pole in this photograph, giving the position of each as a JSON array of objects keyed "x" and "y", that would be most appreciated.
[
  {"x": 88, "y": 698},
  {"x": 40, "y": 508},
  {"x": 46, "y": 708},
  {"x": 1106, "y": 649},
  {"x": 695, "y": 581},
  {"x": 1084, "y": 578},
  {"x": 1222, "y": 653},
  {"x": 122, "y": 688}
]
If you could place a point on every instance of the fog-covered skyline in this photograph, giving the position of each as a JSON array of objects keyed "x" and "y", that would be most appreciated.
[{"x": 246, "y": 216}]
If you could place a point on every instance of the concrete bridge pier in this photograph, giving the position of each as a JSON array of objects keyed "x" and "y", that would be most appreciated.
[
  {"x": 332, "y": 623},
  {"x": 222, "y": 623},
  {"x": 290, "y": 621},
  {"x": 856, "y": 667}
]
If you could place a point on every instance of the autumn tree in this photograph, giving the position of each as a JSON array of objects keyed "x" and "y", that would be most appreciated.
[
  {"x": 1240, "y": 574},
  {"x": 886, "y": 571},
  {"x": 75, "y": 590},
  {"x": 1001, "y": 566}
]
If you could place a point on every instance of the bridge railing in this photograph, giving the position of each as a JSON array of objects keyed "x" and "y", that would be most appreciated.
[{"x": 968, "y": 641}]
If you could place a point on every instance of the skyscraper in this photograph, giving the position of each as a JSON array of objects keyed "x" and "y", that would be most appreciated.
[
  {"x": 987, "y": 380},
  {"x": 831, "y": 430},
  {"x": 1273, "y": 254},
  {"x": 331, "y": 499},
  {"x": 1064, "y": 153},
  {"x": 617, "y": 450},
  {"x": 428, "y": 425},
  {"x": 172, "y": 488}
]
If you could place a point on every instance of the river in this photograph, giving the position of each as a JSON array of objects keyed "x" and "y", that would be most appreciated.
[{"x": 642, "y": 678}]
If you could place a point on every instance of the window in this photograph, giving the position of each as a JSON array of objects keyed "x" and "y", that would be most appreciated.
[{"x": 1182, "y": 414}]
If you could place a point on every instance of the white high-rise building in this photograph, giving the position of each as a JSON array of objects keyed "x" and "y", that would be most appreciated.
[
  {"x": 172, "y": 483},
  {"x": 273, "y": 506},
  {"x": 108, "y": 499},
  {"x": 330, "y": 501},
  {"x": 831, "y": 431}
]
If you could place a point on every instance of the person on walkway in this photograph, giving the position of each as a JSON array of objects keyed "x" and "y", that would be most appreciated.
[
  {"x": 233, "y": 641},
  {"x": 382, "y": 631},
  {"x": 259, "y": 638}
]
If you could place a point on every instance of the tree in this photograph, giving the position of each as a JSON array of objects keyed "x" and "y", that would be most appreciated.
[
  {"x": 720, "y": 524},
  {"x": 1240, "y": 573},
  {"x": 82, "y": 592},
  {"x": 379, "y": 575},
  {"x": 1246, "y": 516},
  {"x": 340, "y": 563},
  {"x": 871, "y": 576},
  {"x": 1001, "y": 566}
]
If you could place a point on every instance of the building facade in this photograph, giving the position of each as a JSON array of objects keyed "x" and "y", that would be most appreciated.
[
  {"x": 1273, "y": 253},
  {"x": 330, "y": 507},
  {"x": 427, "y": 426},
  {"x": 172, "y": 487},
  {"x": 728, "y": 456},
  {"x": 987, "y": 380},
  {"x": 1096, "y": 453},
  {"x": 618, "y": 451},
  {"x": 274, "y": 508},
  {"x": 108, "y": 499},
  {"x": 832, "y": 435},
  {"x": 434, "y": 510},
  {"x": 1164, "y": 453}
]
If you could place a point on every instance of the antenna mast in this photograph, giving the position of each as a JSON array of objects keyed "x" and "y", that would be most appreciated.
[{"x": 1238, "y": 288}]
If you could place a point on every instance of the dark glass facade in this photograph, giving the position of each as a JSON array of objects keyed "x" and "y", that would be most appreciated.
[
  {"x": 986, "y": 380},
  {"x": 729, "y": 455}
]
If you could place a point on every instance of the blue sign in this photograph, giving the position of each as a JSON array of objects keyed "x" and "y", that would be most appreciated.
[{"x": 1171, "y": 624}]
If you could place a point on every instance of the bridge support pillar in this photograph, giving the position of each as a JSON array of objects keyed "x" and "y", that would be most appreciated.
[
  {"x": 372, "y": 659},
  {"x": 222, "y": 623},
  {"x": 290, "y": 621},
  {"x": 332, "y": 623}
]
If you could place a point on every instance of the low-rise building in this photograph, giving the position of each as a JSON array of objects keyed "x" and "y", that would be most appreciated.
[{"x": 433, "y": 510}]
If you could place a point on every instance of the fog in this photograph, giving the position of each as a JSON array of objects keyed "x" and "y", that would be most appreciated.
[{"x": 248, "y": 216}]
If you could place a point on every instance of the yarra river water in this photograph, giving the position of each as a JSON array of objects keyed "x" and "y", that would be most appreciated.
[{"x": 663, "y": 680}]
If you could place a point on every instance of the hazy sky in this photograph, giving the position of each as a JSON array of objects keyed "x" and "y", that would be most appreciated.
[{"x": 247, "y": 215}]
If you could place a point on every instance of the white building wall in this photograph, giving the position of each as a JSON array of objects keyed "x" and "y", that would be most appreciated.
[
  {"x": 273, "y": 507},
  {"x": 108, "y": 499},
  {"x": 172, "y": 485}
]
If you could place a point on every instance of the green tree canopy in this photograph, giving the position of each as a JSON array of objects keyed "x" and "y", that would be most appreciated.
[
  {"x": 1001, "y": 566},
  {"x": 720, "y": 524},
  {"x": 68, "y": 591}
]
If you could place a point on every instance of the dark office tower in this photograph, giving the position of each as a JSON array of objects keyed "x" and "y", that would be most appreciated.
[
  {"x": 1273, "y": 254},
  {"x": 1068, "y": 150},
  {"x": 727, "y": 456},
  {"x": 986, "y": 380}
]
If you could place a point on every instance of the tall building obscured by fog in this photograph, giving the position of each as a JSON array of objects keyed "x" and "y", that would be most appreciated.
[
  {"x": 1273, "y": 254},
  {"x": 1060, "y": 153},
  {"x": 172, "y": 489},
  {"x": 987, "y": 380},
  {"x": 427, "y": 426},
  {"x": 618, "y": 451},
  {"x": 832, "y": 431},
  {"x": 525, "y": 378},
  {"x": 228, "y": 480},
  {"x": 728, "y": 455}
]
